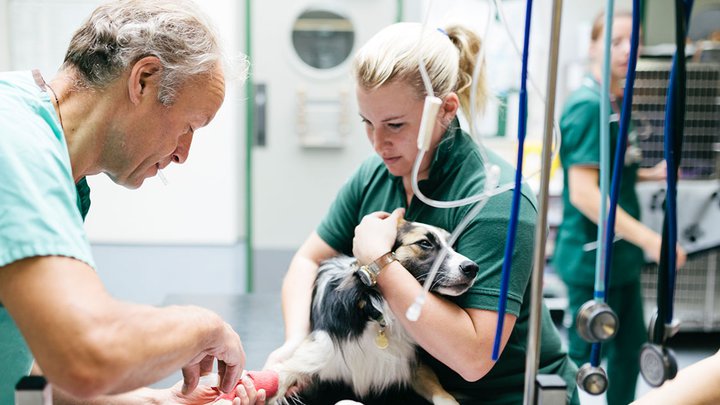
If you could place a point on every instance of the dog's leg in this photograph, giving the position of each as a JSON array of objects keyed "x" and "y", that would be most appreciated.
[
  {"x": 313, "y": 354},
  {"x": 428, "y": 386}
]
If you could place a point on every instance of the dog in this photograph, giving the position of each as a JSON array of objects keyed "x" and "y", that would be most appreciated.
[{"x": 356, "y": 339}]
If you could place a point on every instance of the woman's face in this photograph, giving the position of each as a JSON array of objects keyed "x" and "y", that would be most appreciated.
[
  {"x": 392, "y": 115},
  {"x": 620, "y": 47}
]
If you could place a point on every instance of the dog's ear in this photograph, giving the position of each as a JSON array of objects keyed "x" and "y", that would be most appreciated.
[{"x": 401, "y": 221}]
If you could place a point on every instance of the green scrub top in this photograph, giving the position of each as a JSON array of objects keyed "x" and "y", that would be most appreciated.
[
  {"x": 580, "y": 146},
  {"x": 457, "y": 171},
  {"x": 41, "y": 207}
]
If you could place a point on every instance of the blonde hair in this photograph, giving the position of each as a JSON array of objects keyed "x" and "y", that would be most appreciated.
[
  {"x": 449, "y": 56},
  {"x": 599, "y": 22}
]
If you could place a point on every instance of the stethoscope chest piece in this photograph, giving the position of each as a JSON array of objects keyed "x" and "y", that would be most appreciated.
[
  {"x": 596, "y": 322},
  {"x": 657, "y": 364},
  {"x": 592, "y": 380}
]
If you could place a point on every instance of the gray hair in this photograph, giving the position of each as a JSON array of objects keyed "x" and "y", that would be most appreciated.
[
  {"x": 449, "y": 56},
  {"x": 121, "y": 32}
]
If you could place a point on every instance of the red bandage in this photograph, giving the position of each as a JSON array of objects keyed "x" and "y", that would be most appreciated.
[{"x": 265, "y": 379}]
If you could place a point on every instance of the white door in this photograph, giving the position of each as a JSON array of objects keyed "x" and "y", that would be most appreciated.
[
  {"x": 200, "y": 203},
  {"x": 309, "y": 137}
]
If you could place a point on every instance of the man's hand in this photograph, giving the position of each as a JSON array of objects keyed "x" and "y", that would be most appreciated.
[
  {"x": 244, "y": 394},
  {"x": 231, "y": 360}
]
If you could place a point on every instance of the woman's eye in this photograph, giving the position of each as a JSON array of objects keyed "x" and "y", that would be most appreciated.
[{"x": 395, "y": 126}]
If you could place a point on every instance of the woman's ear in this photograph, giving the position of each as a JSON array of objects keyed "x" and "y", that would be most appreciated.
[{"x": 449, "y": 108}]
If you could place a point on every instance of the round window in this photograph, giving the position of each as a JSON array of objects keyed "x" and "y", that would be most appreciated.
[{"x": 322, "y": 39}]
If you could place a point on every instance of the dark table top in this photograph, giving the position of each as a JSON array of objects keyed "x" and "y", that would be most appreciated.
[{"x": 256, "y": 317}]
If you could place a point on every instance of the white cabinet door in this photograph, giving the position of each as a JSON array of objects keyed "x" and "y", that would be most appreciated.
[{"x": 306, "y": 115}]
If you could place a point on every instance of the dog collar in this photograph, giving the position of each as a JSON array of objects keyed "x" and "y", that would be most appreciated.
[{"x": 368, "y": 273}]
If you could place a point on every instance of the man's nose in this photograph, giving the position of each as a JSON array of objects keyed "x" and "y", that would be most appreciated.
[{"x": 182, "y": 151}]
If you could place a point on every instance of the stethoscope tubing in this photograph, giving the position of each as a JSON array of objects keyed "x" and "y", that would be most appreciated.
[
  {"x": 619, "y": 160},
  {"x": 517, "y": 190}
]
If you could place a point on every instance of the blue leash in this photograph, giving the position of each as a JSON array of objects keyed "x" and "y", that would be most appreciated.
[{"x": 515, "y": 209}]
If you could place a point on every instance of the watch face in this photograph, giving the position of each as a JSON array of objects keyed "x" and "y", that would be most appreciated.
[{"x": 365, "y": 277}]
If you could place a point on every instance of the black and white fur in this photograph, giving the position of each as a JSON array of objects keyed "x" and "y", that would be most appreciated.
[{"x": 346, "y": 317}]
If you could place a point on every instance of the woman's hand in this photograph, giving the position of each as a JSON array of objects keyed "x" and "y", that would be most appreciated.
[
  {"x": 281, "y": 354},
  {"x": 375, "y": 235},
  {"x": 655, "y": 173},
  {"x": 654, "y": 247}
]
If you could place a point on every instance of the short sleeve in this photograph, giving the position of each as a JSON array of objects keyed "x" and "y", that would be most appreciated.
[
  {"x": 580, "y": 129},
  {"x": 337, "y": 227},
  {"x": 38, "y": 199},
  {"x": 484, "y": 242}
]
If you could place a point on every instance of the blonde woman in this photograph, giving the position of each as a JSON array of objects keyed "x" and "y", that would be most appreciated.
[{"x": 456, "y": 336}]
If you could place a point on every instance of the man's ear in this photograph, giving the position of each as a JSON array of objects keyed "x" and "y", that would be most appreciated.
[{"x": 144, "y": 79}]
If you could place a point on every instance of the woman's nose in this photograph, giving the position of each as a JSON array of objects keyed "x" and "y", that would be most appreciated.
[{"x": 379, "y": 138}]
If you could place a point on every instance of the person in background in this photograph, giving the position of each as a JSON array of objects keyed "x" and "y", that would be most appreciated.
[
  {"x": 138, "y": 79},
  {"x": 455, "y": 335},
  {"x": 572, "y": 259}
]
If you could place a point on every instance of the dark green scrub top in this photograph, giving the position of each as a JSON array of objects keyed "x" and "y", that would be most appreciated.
[
  {"x": 456, "y": 172},
  {"x": 580, "y": 146}
]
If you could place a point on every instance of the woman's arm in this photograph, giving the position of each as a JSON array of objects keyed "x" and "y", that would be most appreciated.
[
  {"x": 460, "y": 338},
  {"x": 297, "y": 293},
  {"x": 697, "y": 384},
  {"x": 655, "y": 173},
  {"x": 585, "y": 196}
]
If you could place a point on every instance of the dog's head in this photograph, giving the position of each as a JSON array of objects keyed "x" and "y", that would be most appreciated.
[{"x": 416, "y": 247}]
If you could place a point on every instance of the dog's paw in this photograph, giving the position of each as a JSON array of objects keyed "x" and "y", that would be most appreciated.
[
  {"x": 444, "y": 399},
  {"x": 287, "y": 381}
]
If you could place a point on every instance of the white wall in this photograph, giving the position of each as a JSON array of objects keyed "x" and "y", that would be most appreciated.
[
  {"x": 202, "y": 203},
  {"x": 4, "y": 40}
]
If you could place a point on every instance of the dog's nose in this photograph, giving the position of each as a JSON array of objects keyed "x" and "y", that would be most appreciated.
[{"x": 469, "y": 268}]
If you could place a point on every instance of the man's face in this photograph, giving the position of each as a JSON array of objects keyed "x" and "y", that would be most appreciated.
[{"x": 154, "y": 135}]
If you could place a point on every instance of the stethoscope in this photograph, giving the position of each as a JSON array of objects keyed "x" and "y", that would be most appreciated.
[
  {"x": 517, "y": 190},
  {"x": 658, "y": 362},
  {"x": 596, "y": 321}
]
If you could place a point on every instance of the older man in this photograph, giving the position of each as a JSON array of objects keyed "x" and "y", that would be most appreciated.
[{"x": 139, "y": 78}]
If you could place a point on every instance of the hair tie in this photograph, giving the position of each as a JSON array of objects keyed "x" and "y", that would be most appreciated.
[{"x": 442, "y": 31}]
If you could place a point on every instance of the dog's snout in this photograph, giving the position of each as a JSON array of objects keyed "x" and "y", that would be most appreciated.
[{"x": 469, "y": 268}]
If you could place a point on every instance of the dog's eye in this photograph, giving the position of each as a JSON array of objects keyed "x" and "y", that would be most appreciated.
[{"x": 425, "y": 244}]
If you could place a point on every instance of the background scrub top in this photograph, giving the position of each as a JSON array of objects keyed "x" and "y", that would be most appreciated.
[{"x": 580, "y": 146}]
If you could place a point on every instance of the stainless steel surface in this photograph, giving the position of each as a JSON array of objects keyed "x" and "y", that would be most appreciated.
[
  {"x": 256, "y": 317},
  {"x": 533, "y": 357}
]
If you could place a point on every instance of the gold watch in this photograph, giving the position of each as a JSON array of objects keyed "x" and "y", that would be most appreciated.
[{"x": 368, "y": 273}]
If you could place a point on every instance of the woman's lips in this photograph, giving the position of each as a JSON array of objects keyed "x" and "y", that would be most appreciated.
[{"x": 391, "y": 160}]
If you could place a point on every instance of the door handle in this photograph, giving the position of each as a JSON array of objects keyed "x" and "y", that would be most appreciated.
[{"x": 260, "y": 115}]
